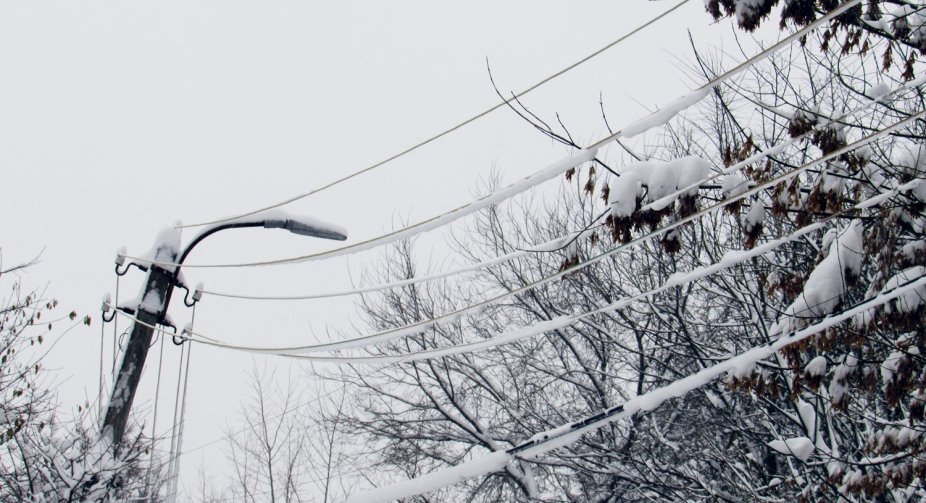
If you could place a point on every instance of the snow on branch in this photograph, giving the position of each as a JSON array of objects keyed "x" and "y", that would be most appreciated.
[
  {"x": 571, "y": 432},
  {"x": 827, "y": 284}
]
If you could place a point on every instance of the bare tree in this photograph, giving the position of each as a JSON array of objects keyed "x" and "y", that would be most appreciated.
[
  {"x": 840, "y": 415},
  {"x": 41, "y": 457},
  {"x": 269, "y": 454}
]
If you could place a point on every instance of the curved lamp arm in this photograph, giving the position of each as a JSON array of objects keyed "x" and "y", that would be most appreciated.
[{"x": 294, "y": 226}]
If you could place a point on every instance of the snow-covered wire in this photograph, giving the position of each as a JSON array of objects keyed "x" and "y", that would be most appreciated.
[
  {"x": 227, "y": 435},
  {"x": 779, "y": 147},
  {"x": 548, "y": 173},
  {"x": 554, "y": 243},
  {"x": 172, "y": 456},
  {"x": 102, "y": 346},
  {"x": 730, "y": 259},
  {"x": 441, "y": 134},
  {"x": 652, "y": 120},
  {"x": 571, "y": 432},
  {"x": 376, "y": 288},
  {"x": 174, "y": 477},
  {"x": 115, "y": 332},
  {"x": 310, "y": 401},
  {"x": 418, "y": 327},
  {"x": 547, "y": 246},
  {"x": 154, "y": 422}
]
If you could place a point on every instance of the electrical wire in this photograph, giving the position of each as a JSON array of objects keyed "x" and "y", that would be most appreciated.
[
  {"x": 437, "y": 136},
  {"x": 186, "y": 381},
  {"x": 308, "y": 402},
  {"x": 102, "y": 346},
  {"x": 172, "y": 456},
  {"x": 571, "y": 432},
  {"x": 548, "y": 173},
  {"x": 786, "y": 340},
  {"x": 651, "y": 120},
  {"x": 115, "y": 331},
  {"x": 768, "y": 152},
  {"x": 341, "y": 388},
  {"x": 238, "y": 432},
  {"x": 176, "y": 436},
  {"x": 418, "y": 327},
  {"x": 213, "y": 442},
  {"x": 732, "y": 259},
  {"x": 154, "y": 424},
  {"x": 863, "y": 204},
  {"x": 375, "y": 288},
  {"x": 565, "y": 321}
]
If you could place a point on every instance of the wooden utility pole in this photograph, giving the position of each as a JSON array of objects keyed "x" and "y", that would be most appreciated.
[{"x": 149, "y": 312}]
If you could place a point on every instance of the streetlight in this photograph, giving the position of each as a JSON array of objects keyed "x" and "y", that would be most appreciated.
[{"x": 152, "y": 309}]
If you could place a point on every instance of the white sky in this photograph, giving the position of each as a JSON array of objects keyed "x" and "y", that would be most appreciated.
[{"x": 117, "y": 118}]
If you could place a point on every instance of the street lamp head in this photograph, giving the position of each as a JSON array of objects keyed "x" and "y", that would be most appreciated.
[{"x": 306, "y": 229}]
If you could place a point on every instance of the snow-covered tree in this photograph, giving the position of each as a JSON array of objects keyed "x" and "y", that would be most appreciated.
[
  {"x": 854, "y": 391},
  {"x": 43, "y": 458},
  {"x": 839, "y": 414}
]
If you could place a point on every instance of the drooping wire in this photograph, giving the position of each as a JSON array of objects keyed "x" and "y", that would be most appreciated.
[
  {"x": 880, "y": 197},
  {"x": 115, "y": 331},
  {"x": 228, "y": 435},
  {"x": 571, "y": 432},
  {"x": 308, "y": 402},
  {"x": 418, "y": 327},
  {"x": 238, "y": 432},
  {"x": 102, "y": 346},
  {"x": 154, "y": 423},
  {"x": 540, "y": 442},
  {"x": 651, "y": 120},
  {"x": 770, "y": 151},
  {"x": 173, "y": 430},
  {"x": 374, "y": 288},
  {"x": 206, "y": 444},
  {"x": 736, "y": 257},
  {"x": 174, "y": 476},
  {"x": 543, "y": 443},
  {"x": 437, "y": 136}
]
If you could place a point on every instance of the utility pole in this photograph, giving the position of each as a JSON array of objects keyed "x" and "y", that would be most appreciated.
[
  {"x": 150, "y": 311},
  {"x": 163, "y": 273}
]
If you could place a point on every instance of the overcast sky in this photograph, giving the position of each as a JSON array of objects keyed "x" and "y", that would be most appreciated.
[{"x": 118, "y": 118}]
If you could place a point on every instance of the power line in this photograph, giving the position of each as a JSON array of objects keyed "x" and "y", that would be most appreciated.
[
  {"x": 199, "y": 447},
  {"x": 242, "y": 430},
  {"x": 768, "y": 152},
  {"x": 565, "y": 321},
  {"x": 571, "y": 432},
  {"x": 649, "y": 121},
  {"x": 316, "y": 399},
  {"x": 548, "y": 173},
  {"x": 556, "y": 435},
  {"x": 879, "y": 198},
  {"x": 376, "y": 288},
  {"x": 734, "y": 258},
  {"x": 418, "y": 327},
  {"x": 334, "y": 391},
  {"x": 521, "y": 446},
  {"x": 437, "y": 136}
]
